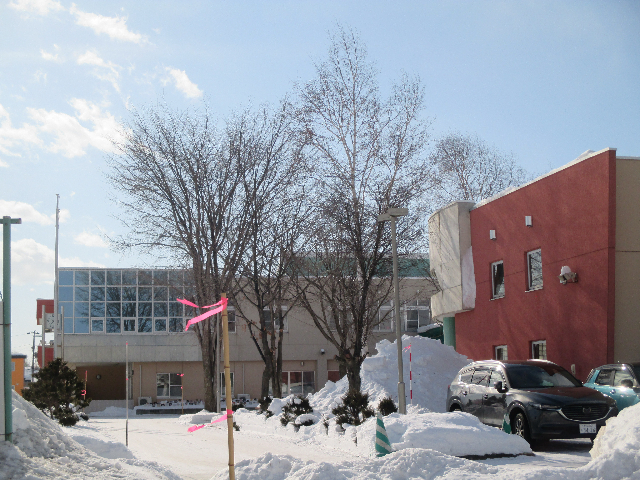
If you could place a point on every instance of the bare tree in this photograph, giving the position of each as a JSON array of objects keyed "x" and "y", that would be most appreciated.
[
  {"x": 368, "y": 155},
  {"x": 278, "y": 206},
  {"x": 184, "y": 195},
  {"x": 464, "y": 167}
]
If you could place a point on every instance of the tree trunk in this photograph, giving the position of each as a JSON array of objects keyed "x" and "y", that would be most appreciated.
[{"x": 209, "y": 370}]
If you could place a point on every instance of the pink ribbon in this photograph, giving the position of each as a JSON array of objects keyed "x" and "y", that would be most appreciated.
[
  {"x": 222, "y": 305},
  {"x": 222, "y": 418}
]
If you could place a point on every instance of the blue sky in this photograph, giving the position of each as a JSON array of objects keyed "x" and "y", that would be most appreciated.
[{"x": 544, "y": 80}]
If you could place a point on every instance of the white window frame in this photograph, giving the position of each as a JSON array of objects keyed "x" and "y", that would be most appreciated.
[
  {"x": 284, "y": 308},
  {"x": 231, "y": 310},
  {"x": 385, "y": 310},
  {"x": 493, "y": 280},
  {"x": 413, "y": 306},
  {"x": 165, "y": 397},
  {"x": 497, "y": 348},
  {"x": 530, "y": 285},
  {"x": 533, "y": 346}
]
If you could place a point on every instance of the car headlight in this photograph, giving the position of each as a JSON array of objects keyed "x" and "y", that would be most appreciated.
[{"x": 540, "y": 406}]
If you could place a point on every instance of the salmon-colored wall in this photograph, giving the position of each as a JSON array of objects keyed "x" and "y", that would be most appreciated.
[
  {"x": 573, "y": 217},
  {"x": 17, "y": 374}
]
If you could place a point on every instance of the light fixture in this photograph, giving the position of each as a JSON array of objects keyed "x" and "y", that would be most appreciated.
[
  {"x": 98, "y": 377},
  {"x": 322, "y": 351},
  {"x": 567, "y": 276},
  {"x": 527, "y": 221},
  {"x": 302, "y": 364},
  {"x": 492, "y": 234}
]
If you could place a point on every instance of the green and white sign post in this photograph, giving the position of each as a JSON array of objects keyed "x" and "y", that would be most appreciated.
[{"x": 6, "y": 414}]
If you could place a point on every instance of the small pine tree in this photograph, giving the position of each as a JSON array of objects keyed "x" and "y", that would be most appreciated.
[
  {"x": 386, "y": 406},
  {"x": 264, "y": 403},
  {"x": 295, "y": 407},
  {"x": 354, "y": 410},
  {"x": 57, "y": 392}
]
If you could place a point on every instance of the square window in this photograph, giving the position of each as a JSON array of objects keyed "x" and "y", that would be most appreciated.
[
  {"x": 539, "y": 350},
  {"x": 144, "y": 309},
  {"x": 97, "y": 309},
  {"x": 497, "y": 279},
  {"x": 160, "y": 325},
  {"x": 81, "y": 309},
  {"x": 97, "y": 326},
  {"x": 176, "y": 325},
  {"x": 82, "y": 277},
  {"x": 175, "y": 293},
  {"x": 160, "y": 294},
  {"x": 144, "y": 294},
  {"x": 534, "y": 269},
  {"x": 129, "y": 277},
  {"x": 81, "y": 325},
  {"x": 65, "y": 277},
  {"x": 144, "y": 277},
  {"x": 385, "y": 318},
  {"x": 144, "y": 325},
  {"x": 65, "y": 294},
  {"x": 175, "y": 309},
  {"x": 129, "y": 294},
  {"x": 129, "y": 309},
  {"x": 501, "y": 352},
  {"x": 97, "y": 294},
  {"x": 113, "y": 294},
  {"x": 159, "y": 309},
  {"x": 114, "y": 277},
  {"x": 113, "y": 325},
  {"x": 176, "y": 277},
  {"x": 97, "y": 277},
  {"x": 113, "y": 309},
  {"x": 82, "y": 294},
  {"x": 129, "y": 324},
  {"x": 67, "y": 307},
  {"x": 159, "y": 277}
]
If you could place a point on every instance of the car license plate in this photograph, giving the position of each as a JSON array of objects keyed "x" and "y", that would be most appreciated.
[{"x": 587, "y": 428}]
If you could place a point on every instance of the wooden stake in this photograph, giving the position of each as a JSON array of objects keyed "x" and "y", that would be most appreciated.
[{"x": 227, "y": 385}]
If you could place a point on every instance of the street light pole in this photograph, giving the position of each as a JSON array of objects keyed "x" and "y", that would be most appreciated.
[{"x": 391, "y": 216}]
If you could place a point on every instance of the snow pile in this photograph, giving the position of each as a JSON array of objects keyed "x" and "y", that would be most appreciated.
[
  {"x": 616, "y": 450},
  {"x": 407, "y": 464},
  {"x": 433, "y": 367},
  {"x": 112, "y": 412},
  {"x": 41, "y": 449}
]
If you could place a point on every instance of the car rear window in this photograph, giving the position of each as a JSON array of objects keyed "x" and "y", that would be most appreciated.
[
  {"x": 537, "y": 376},
  {"x": 636, "y": 369}
]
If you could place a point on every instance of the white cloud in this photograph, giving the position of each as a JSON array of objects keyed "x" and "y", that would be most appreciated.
[
  {"x": 182, "y": 83},
  {"x": 107, "y": 71},
  {"x": 28, "y": 213},
  {"x": 114, "y": 27},
  {"x": 40, "y": 76},
  {"x": 3, "y": 164},
  {"x": 10, "y": 136},
  {"x": 50, "y": 56},
  {"x": 71, "y": 137},
  {"x": 41, "y": 7},
  {"x": 90, "y": 240},
  {"x": 34, "y": 263}
]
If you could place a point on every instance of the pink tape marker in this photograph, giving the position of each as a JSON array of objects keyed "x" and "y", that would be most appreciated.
[
  {"x": 221, "y": 305},
  {"x": 221, "y": 419}
]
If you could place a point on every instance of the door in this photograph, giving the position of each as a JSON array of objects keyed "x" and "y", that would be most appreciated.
[{"x": 494, "y": 402}]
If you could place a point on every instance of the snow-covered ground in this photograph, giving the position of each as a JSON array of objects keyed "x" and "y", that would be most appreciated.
[{"x": 428, "y": 443}]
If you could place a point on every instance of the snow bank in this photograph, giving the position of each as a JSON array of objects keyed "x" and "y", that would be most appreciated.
[
  {"x": 433, "y": 367},
  {"x": 407, "y": 464},
  {"x": 113, "y": 412},
  {"x": 42, "y": 449}
]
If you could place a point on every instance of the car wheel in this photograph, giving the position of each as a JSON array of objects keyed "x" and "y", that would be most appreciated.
[{"x": 520, "y": 427}]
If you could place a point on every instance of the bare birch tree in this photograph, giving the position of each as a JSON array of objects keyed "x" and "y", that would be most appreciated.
[
  {"x": 369, "y": 157},
  {"x": 464, "y": 167}
]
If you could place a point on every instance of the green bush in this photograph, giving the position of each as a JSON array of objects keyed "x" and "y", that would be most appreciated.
[
  {"x": 386, "y": 406},
  {"x": 354, "y": 410},
  {"x": 264, "y": 403},
  {"x": 57, "y": 391},
  {"x": 295, "y": 407}
]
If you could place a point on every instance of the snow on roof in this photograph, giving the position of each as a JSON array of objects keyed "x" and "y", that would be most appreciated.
[{"x": 583, "y": 156}]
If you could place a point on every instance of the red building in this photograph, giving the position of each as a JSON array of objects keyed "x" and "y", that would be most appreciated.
[{"x": 509, "y": 301}]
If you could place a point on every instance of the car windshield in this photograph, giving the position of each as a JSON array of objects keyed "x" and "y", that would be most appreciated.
[{"x": 538, "y": 376}]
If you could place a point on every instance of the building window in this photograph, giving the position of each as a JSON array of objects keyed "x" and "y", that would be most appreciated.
[
  {"x": 333, "y": 375},
  {"x": 418, "y": 314},
  {"x": 501, "y": 352},
  {"x": 169, "y": 385},
  {"x": 385, "y": 318},
  {"x": 539, "y": 350},
  {"x": 231, "y": 318},
  {"x": 298, "y": 383},
  {"x": 497, "y": 279},
  {"x": 267, "y": 314},
  {"x": 534, "y": 269},
  {"x": 223, "y": 386}
]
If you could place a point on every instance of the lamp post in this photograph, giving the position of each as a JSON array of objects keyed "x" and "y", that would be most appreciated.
[{"x": 391, "y": 216}]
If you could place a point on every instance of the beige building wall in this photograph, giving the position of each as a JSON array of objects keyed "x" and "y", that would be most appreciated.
[{"x": 627, "y": 276}]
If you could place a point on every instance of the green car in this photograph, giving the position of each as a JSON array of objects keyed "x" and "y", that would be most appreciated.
[{"x": 619, "y": 381}]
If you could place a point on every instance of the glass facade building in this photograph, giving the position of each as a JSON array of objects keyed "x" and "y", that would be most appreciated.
[{"x": 129, "y": 301}]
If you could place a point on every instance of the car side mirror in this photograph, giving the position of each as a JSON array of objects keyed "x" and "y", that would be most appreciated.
[{"x": 500, "y": 387}]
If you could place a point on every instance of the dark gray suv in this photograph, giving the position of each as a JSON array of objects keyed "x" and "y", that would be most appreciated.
[{"x": 539, "y": 398}]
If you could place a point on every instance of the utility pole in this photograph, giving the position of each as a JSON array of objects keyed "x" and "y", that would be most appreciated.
[
  {"x": 33, "y": 352},
  {"x": 55, "y": 284}
]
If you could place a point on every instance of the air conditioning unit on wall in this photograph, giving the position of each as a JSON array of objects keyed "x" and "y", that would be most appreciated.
[{"x": 144, "y": 400}]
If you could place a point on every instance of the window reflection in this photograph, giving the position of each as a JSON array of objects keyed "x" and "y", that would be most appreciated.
[
  {"x": 161, "y": 325},
  {"x": 82, "y": 277},
  {"x": 113, "y": 294},
  {"x": 97, "y": 294},
  {"x": 65, "y": 277},
  {"x": 144, "y": 325},
  {"x": 113, "y": 325},
  {"x": 81, "y": 325},
  {"x": 82, "y": 294},
  {"x": 97, "y": 326},
  {"x": 97, "y": 277}
]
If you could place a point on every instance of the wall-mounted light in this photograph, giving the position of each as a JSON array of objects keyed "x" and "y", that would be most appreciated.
[
  {"x": 302, "y": 364},
  {"x": 527, "y": 221},
  {"x": 492, "y": 234},
  {"x": 567, "y": 276},
  {"x": 98, "y": 377},
  {"x": 322, "y": 351}
]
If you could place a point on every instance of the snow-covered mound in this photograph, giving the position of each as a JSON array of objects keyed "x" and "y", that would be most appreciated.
[
  {"x": 42, "y": 449},
  {"x": 113, "y": 412},
  {"x": 433, "y": 367},
  {"x": 407, "y": 464}
]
